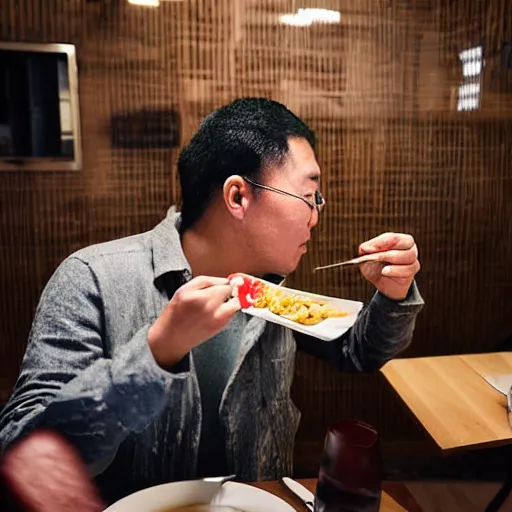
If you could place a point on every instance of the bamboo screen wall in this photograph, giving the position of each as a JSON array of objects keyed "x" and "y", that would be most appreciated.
[{"x": 380, "y": 88}]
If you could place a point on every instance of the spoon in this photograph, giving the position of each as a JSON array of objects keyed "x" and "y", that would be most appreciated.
[{"x": 218, "y": 479}]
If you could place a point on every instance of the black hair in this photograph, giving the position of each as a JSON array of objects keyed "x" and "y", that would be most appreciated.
[{"x": 245, "y": 137}]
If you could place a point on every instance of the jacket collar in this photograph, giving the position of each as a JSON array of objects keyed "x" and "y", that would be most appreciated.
[{"x": 168, "y": 253}]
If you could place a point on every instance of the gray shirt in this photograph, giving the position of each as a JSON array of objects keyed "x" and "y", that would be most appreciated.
[
  {"x": 89, "y": 373},
  {"x": 215, "y": 361}
]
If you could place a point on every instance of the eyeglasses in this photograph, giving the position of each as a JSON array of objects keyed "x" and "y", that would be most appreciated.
[{"x": 317, "y": 204}]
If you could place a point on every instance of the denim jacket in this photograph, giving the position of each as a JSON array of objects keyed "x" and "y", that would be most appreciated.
[{"x": 88, "y": 370}]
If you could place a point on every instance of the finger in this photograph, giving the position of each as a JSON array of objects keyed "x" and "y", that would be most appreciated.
[
  {"x": 372, "y": 270},
  {"x": 401, "y": 271},
  {"x": 226, "y": 310},
  {"x": 387, "y": 241},
  {"x": 202, "y": 282},
  {"x": 395, "y": 257},
  {"x": 211, "y": 296}
]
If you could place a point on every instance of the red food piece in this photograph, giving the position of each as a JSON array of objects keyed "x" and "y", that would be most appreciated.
[{"x": 249, "y": 288}]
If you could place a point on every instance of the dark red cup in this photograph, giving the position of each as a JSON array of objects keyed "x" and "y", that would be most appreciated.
[{"x": 350, "y": 475}]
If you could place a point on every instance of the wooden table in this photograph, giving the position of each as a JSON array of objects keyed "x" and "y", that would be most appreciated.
[
  {"x": 451, "y": 399},
  {"x": 402, "y": 500},
  {"x": 455, "y": 404}
]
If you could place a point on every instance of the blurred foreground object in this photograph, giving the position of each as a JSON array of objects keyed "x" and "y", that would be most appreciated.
[{"x": 44, "y": 473}]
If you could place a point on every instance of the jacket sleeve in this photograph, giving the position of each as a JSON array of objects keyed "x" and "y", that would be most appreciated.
[
  {"x": 383, "y": 329},
  {"x": 68, "y": 383}
]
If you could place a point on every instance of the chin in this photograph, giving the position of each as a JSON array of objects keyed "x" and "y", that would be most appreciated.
[{"x": 287, "y": 269}]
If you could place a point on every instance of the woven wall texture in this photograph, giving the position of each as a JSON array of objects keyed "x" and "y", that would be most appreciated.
[{"x": 380, "y": 88}]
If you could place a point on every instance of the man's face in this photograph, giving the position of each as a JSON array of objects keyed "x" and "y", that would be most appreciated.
[{"x": 279, "y": 225}]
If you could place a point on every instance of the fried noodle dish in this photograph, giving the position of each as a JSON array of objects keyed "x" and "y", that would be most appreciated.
[
  {"x": 294, "y": 307},
  {"x": 253, "y": 292}
]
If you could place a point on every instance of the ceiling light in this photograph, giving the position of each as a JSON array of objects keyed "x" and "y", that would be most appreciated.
[
  {"x": 306, "y": 17},
  {"x": 145, "y": 3}
]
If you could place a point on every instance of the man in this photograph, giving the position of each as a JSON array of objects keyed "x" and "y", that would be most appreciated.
[{"x": 139, "y": 356}]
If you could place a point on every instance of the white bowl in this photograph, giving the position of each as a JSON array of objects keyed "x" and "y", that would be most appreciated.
[{"x": 162, "y": 498}]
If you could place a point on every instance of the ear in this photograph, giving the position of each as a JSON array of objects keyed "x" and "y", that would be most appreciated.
[{"x": 237, "y": 196}]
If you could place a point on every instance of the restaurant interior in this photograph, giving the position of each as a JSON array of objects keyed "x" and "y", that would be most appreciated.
[{"x": 411, "y": 103}]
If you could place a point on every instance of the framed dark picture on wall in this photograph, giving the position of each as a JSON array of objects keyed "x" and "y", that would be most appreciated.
[{"x": 39, "y": 108}]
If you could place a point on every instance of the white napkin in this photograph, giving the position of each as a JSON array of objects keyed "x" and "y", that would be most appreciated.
[{"x": 501, "y": 382}]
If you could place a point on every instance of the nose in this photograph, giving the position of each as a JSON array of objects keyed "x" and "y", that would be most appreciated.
[{"x": 313, "y": 220}]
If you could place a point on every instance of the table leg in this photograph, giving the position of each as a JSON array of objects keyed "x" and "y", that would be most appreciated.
[{"x": 502, "y": 495}]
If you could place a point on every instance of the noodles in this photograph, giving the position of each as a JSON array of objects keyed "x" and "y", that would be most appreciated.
[
  {"x": 297, "y": 308},
  {"x": 302, "y": 309}
]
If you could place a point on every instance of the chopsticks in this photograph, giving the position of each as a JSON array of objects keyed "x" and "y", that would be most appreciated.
[{"x": 354, "y": 261}]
